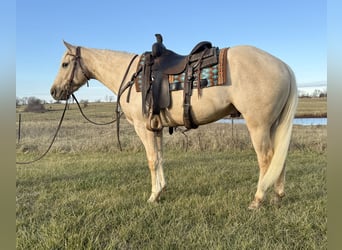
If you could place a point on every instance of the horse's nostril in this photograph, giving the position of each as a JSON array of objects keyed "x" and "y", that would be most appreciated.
[{"x": 52, "y": 92}]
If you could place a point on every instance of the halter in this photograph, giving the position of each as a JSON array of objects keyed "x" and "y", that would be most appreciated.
[{"x": 77, "y": 60}]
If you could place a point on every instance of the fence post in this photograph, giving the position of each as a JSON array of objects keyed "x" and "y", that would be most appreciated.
[
  {"x": 19, "y": 127},
  {"x": 232, "y": 119}
]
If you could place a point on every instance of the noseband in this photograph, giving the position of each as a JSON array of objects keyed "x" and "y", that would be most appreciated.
[{"x": 77, "y": 60}]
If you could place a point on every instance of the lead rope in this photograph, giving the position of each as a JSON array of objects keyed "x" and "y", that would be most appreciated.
[
  {"x": 85, "y": 117},
  {"x": 53, "y": 139}
]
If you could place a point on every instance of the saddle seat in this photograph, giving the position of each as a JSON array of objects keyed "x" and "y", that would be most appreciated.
[{"x": 171, "y": 63}]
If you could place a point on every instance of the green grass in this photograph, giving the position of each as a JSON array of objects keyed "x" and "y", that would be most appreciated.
[
  {"x": 98, "y": 201},
  {"x": 86, "y": 194}
]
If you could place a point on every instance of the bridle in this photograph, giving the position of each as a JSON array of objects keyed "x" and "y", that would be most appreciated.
[
  {"x": 122, "y": 89},
  {"x": 70, "y": 82},
  {"x": 77, "y": 60}
]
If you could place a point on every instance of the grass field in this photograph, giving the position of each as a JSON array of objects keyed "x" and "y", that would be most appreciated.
[
  {"x": 86, "y": 194},
  {"x": 312, "y": 107}
]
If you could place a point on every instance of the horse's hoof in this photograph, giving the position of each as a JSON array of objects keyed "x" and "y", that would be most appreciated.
[
  {"x": 154, "y": 198},
  {"x": 255, "y": 205},
  {"x": 276, "y": 200}
]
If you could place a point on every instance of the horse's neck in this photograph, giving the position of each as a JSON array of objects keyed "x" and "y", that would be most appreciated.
[{"x": 107, "y": 66}]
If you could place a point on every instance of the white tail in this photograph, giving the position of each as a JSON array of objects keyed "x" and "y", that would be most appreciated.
[{"x": 281, "y": 136}]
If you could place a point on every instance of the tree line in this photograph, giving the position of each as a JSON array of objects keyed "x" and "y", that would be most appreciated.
[
  {"x": 316, "y": 93},
  {"x": 34, "y": 104}
]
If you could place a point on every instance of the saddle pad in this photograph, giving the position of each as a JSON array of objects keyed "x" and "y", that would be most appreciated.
[{"x": 211, "y": 76}]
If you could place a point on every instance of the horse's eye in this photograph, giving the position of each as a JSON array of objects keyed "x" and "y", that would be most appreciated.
[{"x": 64, "y": 65}]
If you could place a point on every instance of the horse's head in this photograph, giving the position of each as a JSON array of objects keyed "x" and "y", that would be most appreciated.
[{"x": 71, "y": 75}]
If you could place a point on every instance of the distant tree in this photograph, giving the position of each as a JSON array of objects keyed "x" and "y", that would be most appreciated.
[
  {"x": 323, "y": 93},
  {"x": 85, "y": 103},
  {"x": 24, "y": 100},
  {"x": 303, "y": 94},
  {"x": 35, "y": 105},
  {"x": 316, "y": 93}
]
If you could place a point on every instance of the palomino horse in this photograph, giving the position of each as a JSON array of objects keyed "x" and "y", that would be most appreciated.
[{"x": 260, "y": 86}]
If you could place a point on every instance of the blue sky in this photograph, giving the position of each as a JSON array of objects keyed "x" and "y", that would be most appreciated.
[{"x": 295, "y": 31}]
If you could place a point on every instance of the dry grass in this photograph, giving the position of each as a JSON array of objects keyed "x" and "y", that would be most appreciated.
[
  {"x": 86, "y": 194},
  {"x": 312, "y": 107},
  {"x": 78, "y": 135}
]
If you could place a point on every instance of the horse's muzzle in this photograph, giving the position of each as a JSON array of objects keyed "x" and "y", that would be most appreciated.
[{"x": 59, "y": 94}]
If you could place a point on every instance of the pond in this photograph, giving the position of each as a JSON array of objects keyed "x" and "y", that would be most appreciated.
[{"x": 296, "y": 121}]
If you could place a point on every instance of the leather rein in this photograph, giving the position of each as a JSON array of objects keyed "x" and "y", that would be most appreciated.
[{"x": 122, "y": 89}]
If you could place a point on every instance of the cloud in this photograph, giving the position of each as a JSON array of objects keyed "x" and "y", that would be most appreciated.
[{"x": 313, "y": 84}]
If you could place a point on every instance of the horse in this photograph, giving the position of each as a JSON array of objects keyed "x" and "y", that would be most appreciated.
[{"x": 258, "y": 85}]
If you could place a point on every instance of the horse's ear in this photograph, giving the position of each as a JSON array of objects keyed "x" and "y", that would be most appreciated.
[{"x": 69, "y": 46}]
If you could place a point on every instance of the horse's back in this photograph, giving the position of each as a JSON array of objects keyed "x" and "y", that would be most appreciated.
[{"x": 255, "y": 64}]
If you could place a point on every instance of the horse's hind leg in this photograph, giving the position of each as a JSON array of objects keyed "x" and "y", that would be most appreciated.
[
  {"x": 263, "y": 147},
  {"x": 153, "y": 145},
  {"x": 279, "y": 188}
]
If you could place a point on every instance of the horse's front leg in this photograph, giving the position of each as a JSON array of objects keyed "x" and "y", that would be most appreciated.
[
  {"x": 155, "y": 162},
  {"x": 153, "y": 142}
]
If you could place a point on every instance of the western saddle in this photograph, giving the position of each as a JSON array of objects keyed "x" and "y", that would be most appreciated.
[{"x": 162, "y": 62}]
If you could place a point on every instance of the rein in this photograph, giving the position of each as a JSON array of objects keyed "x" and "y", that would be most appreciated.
[
  {"x": 122, "y": 89},
  {"x": 85, "y": 117},
  {"x": 53, "y": 139}
]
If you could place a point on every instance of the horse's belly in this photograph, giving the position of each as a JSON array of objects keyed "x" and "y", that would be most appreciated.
[{"x": 212, "y": 105}]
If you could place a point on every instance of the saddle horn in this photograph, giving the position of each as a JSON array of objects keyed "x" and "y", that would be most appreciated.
[
  {"x": 158, "y": 48},
  {"x": 159, "y": 38}
]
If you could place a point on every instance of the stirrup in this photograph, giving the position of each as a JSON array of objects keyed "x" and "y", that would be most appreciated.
[{"x": 154, "y": 123}]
